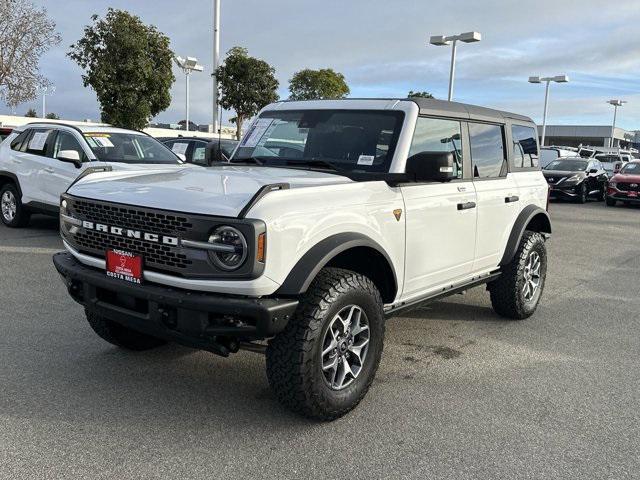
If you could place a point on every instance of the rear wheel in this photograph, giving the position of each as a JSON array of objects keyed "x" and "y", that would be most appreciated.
[
  {"x": 13, "y": 213},
  {"x": 323, "y": 363},
  {"x": 121, "y": 336},
  {"x": 516, "y": 293}
]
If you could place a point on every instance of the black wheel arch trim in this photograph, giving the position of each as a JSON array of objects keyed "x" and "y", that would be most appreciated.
[
  {"x": 526, "y": 216},
  {"x": 14, "y": 178},
  {"x": 316, "y": 258}
]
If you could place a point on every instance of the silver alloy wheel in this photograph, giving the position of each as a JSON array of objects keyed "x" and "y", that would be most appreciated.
[
  {"x": 531, "y": 276},
  {"x": 345, "y": 347},
  {"x": 8, "y": 206}
]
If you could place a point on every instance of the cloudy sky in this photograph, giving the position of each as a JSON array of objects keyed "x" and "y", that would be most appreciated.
[{"x": 381, "y": 48}]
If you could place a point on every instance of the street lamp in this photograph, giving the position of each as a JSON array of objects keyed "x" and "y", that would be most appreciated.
[
  {"x": 616, "y": 104},
  {"x": 46, "y": 90},
  {"x": 188, "y": 65},
  {"x": 441, "y": 40},
  {"x": 547, "y": 80},
  {"x": 216, "y": 60}
]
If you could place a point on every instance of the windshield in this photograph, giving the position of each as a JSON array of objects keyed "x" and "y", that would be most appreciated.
[
  {"x": 547, "y": 156},
  {"x": 129, "y": 148},
  {"x": 631, "y": 169},
  {"x": 567, "y": 165},
  {"x": 354, "y": 140}
]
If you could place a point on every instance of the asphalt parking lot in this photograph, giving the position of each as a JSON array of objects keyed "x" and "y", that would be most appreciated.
[{"x": 460, "y": 393}]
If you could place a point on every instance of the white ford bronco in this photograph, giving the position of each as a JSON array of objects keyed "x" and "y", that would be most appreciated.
[{"x": 330, "y": 217}]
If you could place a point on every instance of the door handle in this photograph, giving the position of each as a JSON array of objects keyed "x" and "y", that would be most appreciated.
[
  {"x": 466, "y": 205},
  {"x": 49, "y": 170},
  {"x": 511, "y": 199},
  {"x": 462, "y": 189}
]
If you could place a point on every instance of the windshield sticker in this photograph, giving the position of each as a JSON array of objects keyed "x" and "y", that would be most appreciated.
[
  {"x": 365, "y": 160},
  {"x": 38, "y": 140},
  {"x": 179, "y": 148},
  {"x": 256, "y": 132},
  {"x": 92, "y": 134},
  {"x": 102, "y": 141}
]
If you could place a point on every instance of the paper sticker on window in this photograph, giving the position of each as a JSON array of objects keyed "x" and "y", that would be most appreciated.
[
  {"x": 365, "y": 160},
  {"x": 179, "y": 148},
  {"x": 256, "y": 132},
  {"x": 38, "y": 141},
  {"x": 103, "y": 142}
]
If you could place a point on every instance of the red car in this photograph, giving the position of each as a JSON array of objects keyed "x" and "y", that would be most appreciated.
[
  {"x": 624, "y": 186},
  {"x": 4, "y": 133}
]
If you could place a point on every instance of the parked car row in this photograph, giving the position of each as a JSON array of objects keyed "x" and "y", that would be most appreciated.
[{"x": 625, "y": 185}]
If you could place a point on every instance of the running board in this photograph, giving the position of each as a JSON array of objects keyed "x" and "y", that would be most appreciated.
[{"x": 391, "y": 310}]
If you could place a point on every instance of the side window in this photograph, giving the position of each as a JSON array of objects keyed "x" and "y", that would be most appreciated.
[
  {"x": 38, "y": 143},
  {"x": 66, "y": 141},
  {"x": 487, "y": 150},
  {"x": 17, "y": 142},
  {"x": 436, "y": 135},
  {"x": 525, "y": 147},
  {"x": 198, "y": 155}
]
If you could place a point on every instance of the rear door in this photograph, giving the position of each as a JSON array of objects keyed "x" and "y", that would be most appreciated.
[
  {"x": 440, "y": 217},
  {"x": 496, "y": 190},
  {"x": 31, "y": 159}
]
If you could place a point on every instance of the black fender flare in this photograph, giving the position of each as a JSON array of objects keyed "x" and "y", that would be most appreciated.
[
  {"x": 531, "y": 213},
  {"x": 316, "y": 258},
  {"x": 13, "y": 178}
]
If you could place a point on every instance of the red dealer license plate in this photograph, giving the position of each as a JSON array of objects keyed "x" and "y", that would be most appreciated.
[
  {"x": 124, "y": 266},
  {"x": 633, "y": 194}
]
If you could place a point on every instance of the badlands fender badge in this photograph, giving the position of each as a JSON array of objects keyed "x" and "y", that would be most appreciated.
[{"x": 397, "y": 213}]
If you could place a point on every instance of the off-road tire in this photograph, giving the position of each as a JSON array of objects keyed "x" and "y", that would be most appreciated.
[
  {"x": 22, "y": 215},
  {"x": 611, "y": 202},
  {"x": 507, "y": 297},
  {"x": 121, "y": 336},
  {"x": 294, "y": 359}
]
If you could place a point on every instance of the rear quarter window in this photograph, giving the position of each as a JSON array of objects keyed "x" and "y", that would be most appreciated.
[{"x": 525, "y": 147}]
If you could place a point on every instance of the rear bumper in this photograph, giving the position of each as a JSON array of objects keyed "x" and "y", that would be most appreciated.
[{"x": 194, "y": 319}]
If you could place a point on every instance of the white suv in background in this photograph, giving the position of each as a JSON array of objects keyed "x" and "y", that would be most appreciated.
[{"x": 39, "y": 161}]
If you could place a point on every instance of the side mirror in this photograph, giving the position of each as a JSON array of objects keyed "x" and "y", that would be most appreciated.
[
  {"x": 70, "y": 156},
  {"x": 213, "y": 153},
  {"x": 593, "y": 170},
  {"x": 431, "y": 167}
]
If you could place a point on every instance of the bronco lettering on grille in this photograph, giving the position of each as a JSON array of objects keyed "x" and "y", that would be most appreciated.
[{"x": 128, "y": 233}]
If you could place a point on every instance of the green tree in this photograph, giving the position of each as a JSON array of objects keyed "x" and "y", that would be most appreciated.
[
  {"x": 129, "y": 65},
  {"x": 52, "y": 116},
  {"x": 318, "y": 85},
  {"x": 31, "y": 113},
  {"x": 247, "y": 84},
  {"x": 413, "y": 94}
]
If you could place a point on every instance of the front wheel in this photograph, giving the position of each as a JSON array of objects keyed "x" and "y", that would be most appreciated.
[
  {"x": 582, "y": 193},
  {"x": 323, "y": 363},
  {"x": 516, "y": 293},
  {"x": 611, "y": 202},
  {"x": 13, "y": 213}
]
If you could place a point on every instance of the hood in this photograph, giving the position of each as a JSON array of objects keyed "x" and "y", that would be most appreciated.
[
  {"x": 223, "y": 190},
  {"x": 561, "y": 173},
  {"x": 621, "y": 178}
]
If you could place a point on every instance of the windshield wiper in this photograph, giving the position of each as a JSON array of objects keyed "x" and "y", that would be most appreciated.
[
  {"x": 256, "y": 160},
  {"x": 315, "y": 163}
]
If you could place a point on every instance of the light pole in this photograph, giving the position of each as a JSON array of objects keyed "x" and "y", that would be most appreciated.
[
  {"x": 48, "y": 89},
  {"x": 616, "y": 104},
  {"x": 441, "y": 40},
  {"x": 216, "y": 60},
  {"x": 188, "y": 65},
  {"x": 547, "y": 80}
]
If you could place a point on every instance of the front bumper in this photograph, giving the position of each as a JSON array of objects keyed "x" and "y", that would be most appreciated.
[
  {"x": 623, "y": 197},
  {"x": 564, "y": 192},
  {"x": 194, "y": 319}
]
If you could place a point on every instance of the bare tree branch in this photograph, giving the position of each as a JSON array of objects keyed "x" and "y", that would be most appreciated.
[{"x": 26, "y": 33}]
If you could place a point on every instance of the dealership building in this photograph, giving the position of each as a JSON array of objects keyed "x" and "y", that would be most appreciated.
[{"x": 595, "y": 135}]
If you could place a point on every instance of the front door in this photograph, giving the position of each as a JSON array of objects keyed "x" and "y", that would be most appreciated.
[
  {"x": 56, "y": 176},
  {"x": 440, "y": 217}
]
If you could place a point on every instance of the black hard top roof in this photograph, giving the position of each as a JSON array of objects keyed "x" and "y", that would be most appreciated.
[{"x": 432, "y": 106}]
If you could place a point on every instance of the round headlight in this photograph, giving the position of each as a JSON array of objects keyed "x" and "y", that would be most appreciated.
[{"x": 231, "y": 251}]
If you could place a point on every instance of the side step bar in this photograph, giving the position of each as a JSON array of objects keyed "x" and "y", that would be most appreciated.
[{"x": 394, "y": 309}]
